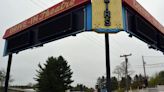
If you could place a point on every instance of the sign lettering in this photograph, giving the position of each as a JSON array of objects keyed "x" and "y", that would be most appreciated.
[{"x": 59, "y": 8}]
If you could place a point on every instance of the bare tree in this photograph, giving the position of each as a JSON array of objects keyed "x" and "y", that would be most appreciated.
[
  {"x": 120, "y": 70},
  {"x": 123, "y": 69}
]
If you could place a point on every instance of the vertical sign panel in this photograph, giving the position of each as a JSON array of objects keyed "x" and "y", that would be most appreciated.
[{"x": 98, "y": 8}]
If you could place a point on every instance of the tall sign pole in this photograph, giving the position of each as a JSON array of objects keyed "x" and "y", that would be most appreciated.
[
  {"x": 108, "y": 83},
  {"x": 107, "y": 23},
  {"x": 8, "y": 73},
  {"x": 126, "y": 70}
]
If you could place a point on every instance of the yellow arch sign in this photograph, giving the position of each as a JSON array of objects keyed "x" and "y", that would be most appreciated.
[{"x": 115, "y": 8}]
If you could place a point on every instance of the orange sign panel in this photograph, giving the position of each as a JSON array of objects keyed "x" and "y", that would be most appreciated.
[{"x": 55, "y": 10}]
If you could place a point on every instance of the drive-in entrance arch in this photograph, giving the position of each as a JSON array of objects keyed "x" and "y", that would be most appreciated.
[{"x": 71, "y": 17}]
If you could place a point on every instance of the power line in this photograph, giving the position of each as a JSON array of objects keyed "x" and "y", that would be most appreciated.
[
  {"x": 154, "y": 56},
  {"x": 155, "y": 64},
  {"x": 98, "y": 42},
  {"x": 43, "y": 3},
  {"x": 151, "y": 66},
  {"x": 36, "y": 4},
  {"x": 92, "y": 40},
  {"x": 117, "y": 44},
  {"x": 147, "y": 65}
]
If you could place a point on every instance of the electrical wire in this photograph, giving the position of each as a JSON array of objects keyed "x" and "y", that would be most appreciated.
[
  {"x": 43, "y": 3},
  {"x": 157, "y": 65},
  {"x": 36, "y": 4},
  {"x": 154, "y": 56},
  {"x": 100, "y": 41},
  {"x": 98, "y": 44},
  {"x": 154, "y": 64}
]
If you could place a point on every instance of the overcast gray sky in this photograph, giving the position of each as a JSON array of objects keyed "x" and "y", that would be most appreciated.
[{"x": 85, "y": 52}]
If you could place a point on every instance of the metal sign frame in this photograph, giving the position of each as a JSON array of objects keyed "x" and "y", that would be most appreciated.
[{"x": 106, "y": 23}]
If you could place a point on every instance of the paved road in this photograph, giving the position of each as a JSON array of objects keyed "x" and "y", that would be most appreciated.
[
  {"x": 8, "y": 91},
  {"x": 17, "y": 90}
]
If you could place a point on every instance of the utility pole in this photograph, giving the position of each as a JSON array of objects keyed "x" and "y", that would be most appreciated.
[
  {"x": 145, "y": 79},
  {"x": 144, "y": 66},
  {"x": 126, "y": 70}
]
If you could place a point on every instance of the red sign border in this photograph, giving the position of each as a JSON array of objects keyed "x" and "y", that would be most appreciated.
[
  {"x": 144, "y": 13},
  {"x": 46, "y": 14}
]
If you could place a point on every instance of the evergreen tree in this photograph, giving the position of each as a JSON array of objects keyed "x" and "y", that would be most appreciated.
[
  {"x": 157, "y": 80},
  {"x": 129, "y": 81},
  {"x": 141, "y": 81},
  {"x": 83, "y": 88},
  {"x": 161, "y": 78},
  {"x": 101, "y": 82},
  {"x": 55, "y": 76},
  {"x": 123, "y": 82},
  {"x": 114, "y": 83},
  {"x": 136, "y": 83}
]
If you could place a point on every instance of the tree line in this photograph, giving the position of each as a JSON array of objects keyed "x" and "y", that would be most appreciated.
[
  {"x": 138, "y": 81},
  {"x": 56, "y": 76}
]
